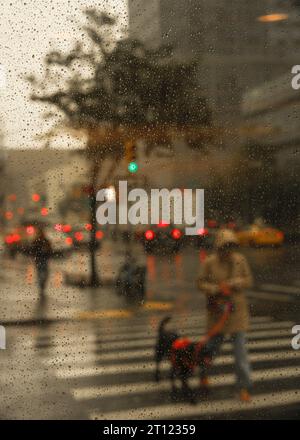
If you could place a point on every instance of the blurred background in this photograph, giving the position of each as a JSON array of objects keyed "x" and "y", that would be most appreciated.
[{"x": 163, "y": 94}]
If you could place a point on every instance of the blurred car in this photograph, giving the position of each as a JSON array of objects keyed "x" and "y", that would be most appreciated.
[
  {"x": 255, "y": 235},
  {"x": 19, "y": 238},
  {"x": 205, "y": 236},
  {"x": 62, "y": 238},
  {"x": 162, "y": 238},
  {"x": 78, "y": 237},
  {"x": 12, "y": 241}
]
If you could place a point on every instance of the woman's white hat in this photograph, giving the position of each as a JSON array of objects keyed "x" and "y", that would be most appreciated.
[{"x": 225, "y": 237}]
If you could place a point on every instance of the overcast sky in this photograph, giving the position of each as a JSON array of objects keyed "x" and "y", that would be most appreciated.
[{"x": 28, "y": 30}]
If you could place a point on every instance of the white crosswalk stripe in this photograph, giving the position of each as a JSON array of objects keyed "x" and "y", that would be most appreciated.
[
  {"x": 281, "y": 289},
  {"x": 110, "y": 372},
  {"x": 62, "y": 352},
  {"x": 107, "y": 337},
  {"x": 142, "y": 366},
  {"x": 148, "y": 387},
  {"x": 73, "y": 347},
  {"x": 148, "y": 353},
  {"x": 275, "y": 292},
  {"x": 181, "y": 411}
]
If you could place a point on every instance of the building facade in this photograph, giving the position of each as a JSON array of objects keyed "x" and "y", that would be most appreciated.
[{"x": 236, "y": 50}]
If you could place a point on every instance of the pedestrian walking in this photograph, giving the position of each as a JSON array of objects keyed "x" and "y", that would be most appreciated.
[
  {"x": 226, "y": 271},
  {"x": 41, "y": 252}
]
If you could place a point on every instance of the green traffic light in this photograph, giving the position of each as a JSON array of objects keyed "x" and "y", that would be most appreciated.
[{"x": 132, "y": 167}]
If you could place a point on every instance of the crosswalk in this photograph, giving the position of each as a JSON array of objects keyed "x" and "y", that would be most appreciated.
[
  {"x": 291, "y": 290},
  {"x": 109, "y": 371},
  {"x": 279, "y": 293}
]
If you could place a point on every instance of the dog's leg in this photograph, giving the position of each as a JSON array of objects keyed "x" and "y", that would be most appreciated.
[{"x": 187, "y": 391}]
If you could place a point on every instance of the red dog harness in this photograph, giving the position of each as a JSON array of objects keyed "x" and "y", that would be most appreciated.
[
  {"x": 184, "y": 353},
  {"x": 180, "y": 358}
]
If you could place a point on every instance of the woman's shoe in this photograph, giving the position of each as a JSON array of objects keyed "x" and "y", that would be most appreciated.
[
  {"x": 204, "y": 387},
  {"x": 204, "y": 382},
  {"x": 244, "y": 395}
]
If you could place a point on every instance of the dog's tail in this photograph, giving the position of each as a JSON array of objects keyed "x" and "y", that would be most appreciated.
[{"x": 163, "y": 324}]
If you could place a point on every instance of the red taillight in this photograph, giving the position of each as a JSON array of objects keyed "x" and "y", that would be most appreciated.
[
  {"x": 78, "y": 236},
  {"x": 36, "y": 197},
  {"x": 66, "y": 228},
  {"x": 176, "y": 234},
  {"x": 30, "y": 230},
  {"x": 9, "y": 239},
  {"x": 202, "y": 231},
  {"x": 99, "y": 235},
  {"x": 13, "y": 238},
  {"x": 16, "y": 237},
  {"x": 69, "y": 241},
  {"x": 149, "y": 235}
]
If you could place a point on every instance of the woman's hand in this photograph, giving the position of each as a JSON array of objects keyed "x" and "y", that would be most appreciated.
[{"x": 225, "y": 288}]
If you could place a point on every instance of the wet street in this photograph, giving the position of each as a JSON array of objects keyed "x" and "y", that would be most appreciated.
[
  {"x": 136, "y": 139},
  {"x": 88, "y": 354}
]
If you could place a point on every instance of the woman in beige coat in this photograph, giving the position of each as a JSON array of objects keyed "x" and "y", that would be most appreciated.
[{"x": 226, "y": 270}]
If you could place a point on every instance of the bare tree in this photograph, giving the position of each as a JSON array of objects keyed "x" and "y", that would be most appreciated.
[{"x": 118, "y": 91}]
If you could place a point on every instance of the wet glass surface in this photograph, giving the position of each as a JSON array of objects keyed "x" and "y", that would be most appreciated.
[{"x": 126, "y": 126}]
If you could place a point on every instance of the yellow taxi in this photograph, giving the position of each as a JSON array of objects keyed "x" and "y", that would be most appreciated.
[{"x": 255, "y": 235}]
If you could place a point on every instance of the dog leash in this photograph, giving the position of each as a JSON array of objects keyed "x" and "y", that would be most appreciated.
[{"x": 216, "y": 329}]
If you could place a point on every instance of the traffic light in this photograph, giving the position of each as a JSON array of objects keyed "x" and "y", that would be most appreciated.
[{"x": 131, "y": 156}]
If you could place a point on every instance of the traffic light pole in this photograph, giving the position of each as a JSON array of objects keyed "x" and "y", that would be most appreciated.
[{"x": 94, "y": 280}]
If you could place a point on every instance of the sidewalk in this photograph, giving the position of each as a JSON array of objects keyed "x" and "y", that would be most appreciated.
[
  {"x": 168, "y": 286},
  {"x": 20, "y": 298}
]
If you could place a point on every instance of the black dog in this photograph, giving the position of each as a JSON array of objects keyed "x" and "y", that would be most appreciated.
[
  {"x": 180, "y": 352},
  {"x": 185, "y": 355}
]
